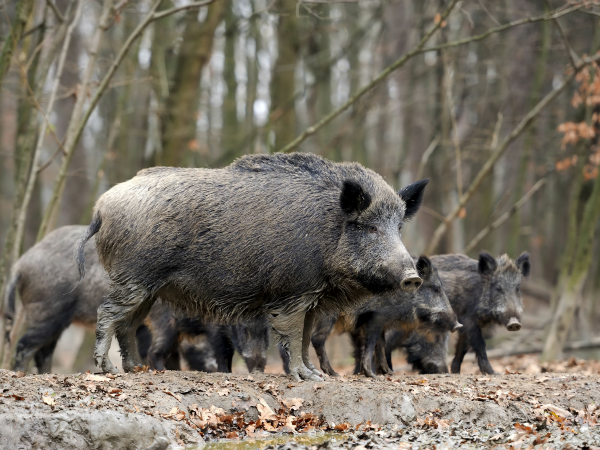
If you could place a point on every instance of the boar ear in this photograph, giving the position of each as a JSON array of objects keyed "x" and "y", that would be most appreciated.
[
  {"x": 424, "y": 267},
  {"x": 413, "y": 197},
  {"x": 487, "y": 263},
  {"x": 353, "y": 198},
  {"x": 523, "y": 264}
]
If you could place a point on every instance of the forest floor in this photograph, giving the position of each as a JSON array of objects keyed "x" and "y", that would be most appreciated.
[{"x": 553, "y": 408}]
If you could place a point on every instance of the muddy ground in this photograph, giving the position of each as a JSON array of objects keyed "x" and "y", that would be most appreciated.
[{"x": 189, "y": 409}]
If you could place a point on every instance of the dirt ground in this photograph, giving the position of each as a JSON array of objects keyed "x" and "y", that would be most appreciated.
[{"x": 551, "y": 407}]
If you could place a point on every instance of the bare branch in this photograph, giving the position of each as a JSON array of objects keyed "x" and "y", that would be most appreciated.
[
  {"x": 570, "y": 53},
  {"x": 418, "y": 50},
  {"x": 550, "y": 16},
  {"x": 501, "y": 148},
  {"x": 426, "y": 155},
  {"x": 504, "y": 217},
  {"x": 399, "y": 63},
  {"x": 54, "y": 9}
]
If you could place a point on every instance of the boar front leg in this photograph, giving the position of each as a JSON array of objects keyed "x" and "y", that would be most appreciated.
[
  {"x": 318, "y": 339},
  {"x": 289, "y": 327},
  {"x": 462, "y": 347},
  {"x": 478, "y": 344}
]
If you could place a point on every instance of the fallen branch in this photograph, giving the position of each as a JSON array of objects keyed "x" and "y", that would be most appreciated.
[
  {"x": 504, "y": 217},
  {"x": 569, "y": 346}
]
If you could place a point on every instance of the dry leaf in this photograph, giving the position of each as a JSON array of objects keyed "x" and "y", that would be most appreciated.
[
  {"x": 289, "y": 426},
  {"x": 223, "y": 392},
  {"x": 177, "y": 397},
  {"x": 49, "y": 401},
  {"x": 232, "y": 435},
  {"x": 293, "y": 403},
  {"x": 93, "y": 377},
  {"x": 266, "y": 413}
]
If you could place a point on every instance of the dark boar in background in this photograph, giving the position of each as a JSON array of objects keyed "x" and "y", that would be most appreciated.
[
  {"x": 483, "y": 294},
  {"x": 249, "y": 338},
  {"x": 44, "y": 276},
  {"x": 286, "y": 235},
  {"x": 426, "y": 309}
]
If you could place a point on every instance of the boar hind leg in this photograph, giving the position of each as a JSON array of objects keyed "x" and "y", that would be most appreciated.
[
  {"x": 37, "y": 336},
  {"x": 309, "y": 321},
  {"x": 462, "y": 347},
  {"x": 120, "y": 314},
  {"x": 288, "y": 326},
  {"x": 126, "y": 328}
]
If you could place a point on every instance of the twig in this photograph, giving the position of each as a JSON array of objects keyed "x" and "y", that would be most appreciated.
[
  {"x": 501, "y": 148},
  {"x": 432, "y": 212},
  {"x": 426, "y": 155},
  {"x": 54, "y": 8},
  {"x": 563, "y": 37},
  {"x": 399, "y": 63},
  {"x": 487, "y": 12},
  {"x": 504, "y": 217}
]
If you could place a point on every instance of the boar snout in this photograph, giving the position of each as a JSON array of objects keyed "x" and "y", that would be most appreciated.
[
  {"x": 513, "y": 324},
  {"x": 457, "y": 327},
  {"x": 411, "y": 283}
]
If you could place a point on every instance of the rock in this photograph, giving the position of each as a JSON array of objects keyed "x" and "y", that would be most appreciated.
[{"x": 406, "y": 411}]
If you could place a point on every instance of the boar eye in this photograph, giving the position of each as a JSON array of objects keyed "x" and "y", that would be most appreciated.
[
  {"x": 372, "y": 229},
  {"x": 400, "y": 225}
]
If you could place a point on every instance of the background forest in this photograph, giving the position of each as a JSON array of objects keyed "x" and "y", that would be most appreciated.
[{"x": 495, "y": 101}]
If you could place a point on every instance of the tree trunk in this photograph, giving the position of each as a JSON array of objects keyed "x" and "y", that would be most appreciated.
[
  {"x": 179, "y": 119},
  {"x": 570, "y": 297},
  {"x": 283, "y": 84}
]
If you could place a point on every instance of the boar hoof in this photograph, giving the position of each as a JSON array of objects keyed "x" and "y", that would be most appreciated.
[
  {"x": 314, "y": 370},
  {"x": 304, "y": 373},
  {"x": 104, "y": 364}
]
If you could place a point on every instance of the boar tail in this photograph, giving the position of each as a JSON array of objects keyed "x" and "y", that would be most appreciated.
[
  {"x": 78, "y": 250},
  {"x": 11, "y": 294}
]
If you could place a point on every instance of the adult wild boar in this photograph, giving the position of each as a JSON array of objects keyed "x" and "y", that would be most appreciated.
[
  {"x": 44, "y": 276},
  {"x": 483, "y": 293},
  {"x": 287, "y": 235}
]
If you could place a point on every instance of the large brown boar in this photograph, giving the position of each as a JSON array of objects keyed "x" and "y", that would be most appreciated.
[{"x": 287, "y": 235}]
